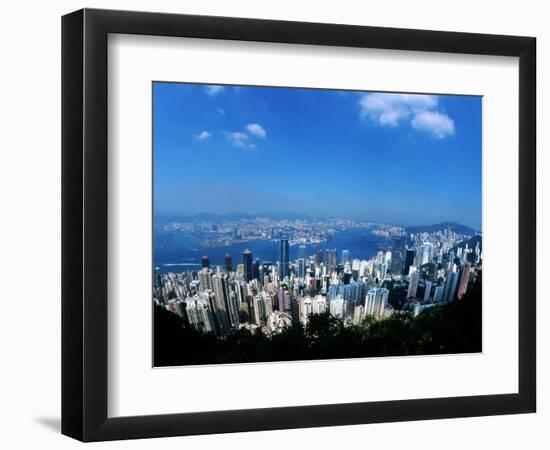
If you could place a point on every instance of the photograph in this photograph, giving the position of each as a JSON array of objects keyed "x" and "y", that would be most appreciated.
[{"x": 295, "y": 224}]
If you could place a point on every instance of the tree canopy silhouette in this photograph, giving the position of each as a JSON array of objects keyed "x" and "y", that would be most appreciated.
[{"x": 447, "y": 328}]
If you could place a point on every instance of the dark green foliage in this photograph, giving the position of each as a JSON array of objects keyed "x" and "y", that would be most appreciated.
[
  {"x": 398, "y": 294},
  {"x": 452, "y": 328},
  {"x": 428, "y": 271}
]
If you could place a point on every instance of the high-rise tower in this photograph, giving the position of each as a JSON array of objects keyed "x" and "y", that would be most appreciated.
[
  {"x": 283, "y": 257},
  {"x": 413, "y": 284},
  {"x": 228, "y": 263},
  {"x": 409, "y": 260},
  {"x": 464, "y": 279},
  {"x": 247, "y": 263},
  {"x": 397, "y": 254}
]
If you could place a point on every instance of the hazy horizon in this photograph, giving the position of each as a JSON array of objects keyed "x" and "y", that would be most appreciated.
[{"x": 263, "y": 214}]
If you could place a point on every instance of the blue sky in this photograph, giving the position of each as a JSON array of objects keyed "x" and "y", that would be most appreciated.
[{"x": 399, "y": 158}]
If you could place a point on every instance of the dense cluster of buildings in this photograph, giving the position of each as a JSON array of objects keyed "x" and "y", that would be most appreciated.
[
  {"x": 427, "y": 268},
  {"x": 221, "y": 232}
]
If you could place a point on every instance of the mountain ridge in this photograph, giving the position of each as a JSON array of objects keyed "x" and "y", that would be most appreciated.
[{"x": 453, "y": 226}]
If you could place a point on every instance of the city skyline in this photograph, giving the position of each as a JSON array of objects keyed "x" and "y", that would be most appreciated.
[
  {"x": 420, "y": 284},
  {"x": 394, "y": 158},
  {"x": 163, "y": 217}
]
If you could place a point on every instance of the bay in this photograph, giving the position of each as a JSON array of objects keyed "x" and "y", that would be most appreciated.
[{"x": 181, "y": 253}]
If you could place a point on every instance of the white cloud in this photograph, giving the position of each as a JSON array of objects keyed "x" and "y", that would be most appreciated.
[
  {"x": 213, "y": 90},
  {"x": 203, "y": 135},
  {"x": 420, "y": 111},
  {"x": 220, "y": 111},
  {"x": 390, "y": 109},
  {"x": 242, "y": 139},
  {"x": 438, "y": 124},
  {"x": 256, "y": 129},
  {"x": 238, "y": 139}
]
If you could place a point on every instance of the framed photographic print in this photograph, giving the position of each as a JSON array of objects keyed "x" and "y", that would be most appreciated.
[{"x": 273, "y": 224}]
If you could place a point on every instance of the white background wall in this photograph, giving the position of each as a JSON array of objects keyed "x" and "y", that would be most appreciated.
[{"x": 30, "y": 226}]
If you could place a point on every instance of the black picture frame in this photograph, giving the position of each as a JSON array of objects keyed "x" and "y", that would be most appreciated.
[{"x": 84, "y": 224}]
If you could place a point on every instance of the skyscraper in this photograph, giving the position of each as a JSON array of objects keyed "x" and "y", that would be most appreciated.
[
  {"x": 338, "y": 307},
  {"x": 449, "y": 291},
  {"x": 256, "y": 269},
  {"x": 265, "y": 269},
  {"x": 284, "y": 300},
  {"x": 319, "y": 256},
  {"x": 263, "y": 307},
  {"x": 426, "y": 253},
  {"x": 303, "y": 309},
  {"x": 199, "y": 313},
  {"x": 413, "y": 284},
  {"x": 438, "y": 294},
  {"x": 397, "y": 254},
  {"x": 301, "y": 268},
  {"x": 409, "y": 260},
  {"x": 427, "y": 290},
  {"x": 228, "y": 263},
  {"x": 376, "y": 301},
  {"x": 205, "y": 280},
  {"x": 310, "y": 305},
  {"x": 353, "y": 293},
  {"x": 205, "y": 262},
  {"x": 330, "y": 259},
  {"x": 283, "y": 257},
  {"x": 344, "y": 257},
  {"x": 464, "y": 279},
  {"x": 221, "y": 302},
  {"x": 247, "y": 263}
]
